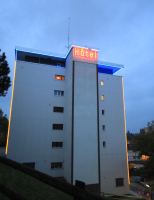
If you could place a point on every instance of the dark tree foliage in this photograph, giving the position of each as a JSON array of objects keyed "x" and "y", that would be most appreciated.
[
  {"x": 144, "y": 144},
  {"x": 3, "y": 128},
  {"x": 148, "y": 170},
  {"x": 5, "y": 82}
]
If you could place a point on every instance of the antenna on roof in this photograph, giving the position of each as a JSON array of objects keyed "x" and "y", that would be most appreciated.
[{"x": 68, "y": 33}]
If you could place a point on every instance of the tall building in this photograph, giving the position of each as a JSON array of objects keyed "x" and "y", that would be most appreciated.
[{"x": 67, "y": 118}]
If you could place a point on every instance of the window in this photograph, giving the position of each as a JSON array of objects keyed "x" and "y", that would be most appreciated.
[
  {"x": 31, "y": 165},
  {"x": 49, "y": 61},
  {"x": 103, "y": 127},
  {"x": 60, "y": 65},
  {"x": 57, "y": 144},
  {"x": 57, "y": 126},
  {"x": 130, "y": 150},
  {"x": 58, "y": 93},
  {"x": 32, "y": 59},
  {"x": 119, "y": 182},
  {"x": 131, "y": 157},
  {"x": 58, "y": 109},
  {"x": 102, "y": 97},
  {"x": 59, "y": 77},
  {"x": 103, "y": 112},
  {"x": 102, "y": 82},
  {"x": 56, "y": 165},
  {"x": 104, "y": 144}
]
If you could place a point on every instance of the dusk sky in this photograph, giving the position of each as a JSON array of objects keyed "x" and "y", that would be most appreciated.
[{"x": 123, "y": 30}]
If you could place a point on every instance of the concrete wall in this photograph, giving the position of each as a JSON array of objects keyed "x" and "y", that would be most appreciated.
[
  {"x": 85, "y": 157},
  {"x": 31, "y": 133},
  {"x": 113, "y": 157},
  {"x": 68, "y": 119}
]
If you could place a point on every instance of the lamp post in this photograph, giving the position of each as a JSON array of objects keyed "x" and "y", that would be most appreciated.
[{"x": 149, "y": 186}]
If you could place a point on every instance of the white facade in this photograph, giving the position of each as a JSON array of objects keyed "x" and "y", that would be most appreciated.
[{"x": 92, "y": 138}]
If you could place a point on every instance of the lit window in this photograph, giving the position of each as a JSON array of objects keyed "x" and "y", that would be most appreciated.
[
  {"x": 56, "y": 165},
  {"x": 144, "y": 157},
  {"x": 103, "y": 127},
  {"x": 102, "y": 82},
  {"x": 57, "y": 144},
  {"x": 58, "y": 93},
  {"x": 103, "y": 112},
  {"x": 104, "y": 144},
  {"x": 102, "y": 97},
  {"x": 119, "y": 182},
  {"x": 59, "y": 77}
]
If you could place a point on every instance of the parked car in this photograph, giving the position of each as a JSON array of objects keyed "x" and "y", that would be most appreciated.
[{"x": 139, "y": 179}]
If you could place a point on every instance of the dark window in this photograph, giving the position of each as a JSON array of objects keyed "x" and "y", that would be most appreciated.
[
  {"x": 58, "y": 109},
  {"x": 58, "y": 93},
  {"x": 104, "y": 144},
  {"x": 48, "y": 61},
  {"x": 57, "y": 144},
  {"x": 103, "y": 111},
  {"x": 119, "y": 182},
  {"x": 56, "y": 165},
  {"x": 60, "y": 64},
  {"x": 31, "y": 165},
  {"x": 103, "y": 127},
  {"x": 58, "y": 126},
  {"x": 32, "y": 59}
]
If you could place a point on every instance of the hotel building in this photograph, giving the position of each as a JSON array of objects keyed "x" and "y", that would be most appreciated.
[{"x": 67, "y": 118}]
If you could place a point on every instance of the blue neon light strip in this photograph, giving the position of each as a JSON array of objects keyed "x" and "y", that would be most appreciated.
[
  {"x": 108, "y": 69},
  {"x": 102, "y": 67},
  {"x": 64, "y": 57}
]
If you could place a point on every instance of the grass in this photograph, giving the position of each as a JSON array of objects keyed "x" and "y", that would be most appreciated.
[{"x": 27, "y": 186}]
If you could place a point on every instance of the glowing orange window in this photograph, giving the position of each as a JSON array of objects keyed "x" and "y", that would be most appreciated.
[
  {"x": 59, "y": 77},
  {"x": 102, "y": 97}
]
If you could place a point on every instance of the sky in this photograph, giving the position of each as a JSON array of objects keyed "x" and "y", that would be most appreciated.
[{"x": 123, "y": 30}]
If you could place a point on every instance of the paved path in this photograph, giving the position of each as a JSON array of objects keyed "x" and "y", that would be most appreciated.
[
  {"x": 138, "y": 186},
  {"x": 132, "y": 193},
  {"x": 2, "y": 151},
  {"x": 134, "y": 187}
]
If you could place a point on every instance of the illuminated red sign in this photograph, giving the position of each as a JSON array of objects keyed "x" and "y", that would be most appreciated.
[{"x": 85, "y": 53}]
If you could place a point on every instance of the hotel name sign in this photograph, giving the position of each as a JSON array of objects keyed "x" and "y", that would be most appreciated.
[{"x": 85, "y": 54}]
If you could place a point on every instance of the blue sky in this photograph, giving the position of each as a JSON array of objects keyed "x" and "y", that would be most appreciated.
[{"x": 122, "y": 30}]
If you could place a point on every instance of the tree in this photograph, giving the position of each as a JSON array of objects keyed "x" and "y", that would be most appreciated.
[
  {"x": 5, "y": 82},
  {"x": 128, "y": 132},
  {"x": 3, "y": 128},
  {"x": 144, "y": 144}
]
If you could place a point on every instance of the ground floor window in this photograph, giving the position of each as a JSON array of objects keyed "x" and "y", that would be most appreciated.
[
  {"x": 56, "y": 165},
  {"x": 119, "y": 182}
]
